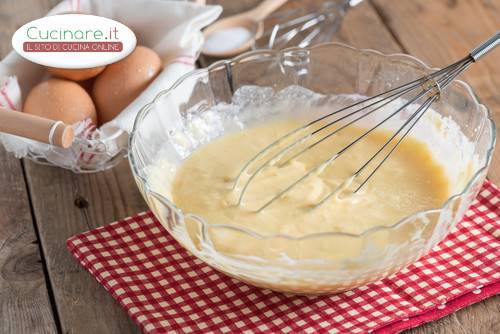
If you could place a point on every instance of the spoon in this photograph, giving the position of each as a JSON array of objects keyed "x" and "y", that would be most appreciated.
[{"x": 252, "y": 20}]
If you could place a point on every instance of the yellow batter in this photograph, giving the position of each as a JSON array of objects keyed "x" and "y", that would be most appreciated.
[{"x": 409, "y": 181}]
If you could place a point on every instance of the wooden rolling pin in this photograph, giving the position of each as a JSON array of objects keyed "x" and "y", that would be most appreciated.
[{"x": 37, "y": 128}]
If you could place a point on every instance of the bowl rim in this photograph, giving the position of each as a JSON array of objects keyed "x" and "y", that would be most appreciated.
[{"x": 251, "y": 54}]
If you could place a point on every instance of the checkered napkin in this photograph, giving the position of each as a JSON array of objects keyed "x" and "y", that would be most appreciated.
[{"x": 164, "y": 289}]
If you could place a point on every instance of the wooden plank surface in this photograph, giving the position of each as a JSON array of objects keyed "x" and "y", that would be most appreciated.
[
  {"x": 65, "y": 204},
  {"x": 24, "y": 302},
  {"x": 483, "y": 317},
  {"x": 440, "y": 32}
]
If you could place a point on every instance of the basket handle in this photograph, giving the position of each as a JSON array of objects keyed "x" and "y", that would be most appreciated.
[{"x": 37, "y": 128}]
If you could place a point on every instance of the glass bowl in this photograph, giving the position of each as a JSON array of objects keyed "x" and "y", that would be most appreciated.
[
  {"x": 85, "y": 155},
  {"x": 330, "y": 68}
]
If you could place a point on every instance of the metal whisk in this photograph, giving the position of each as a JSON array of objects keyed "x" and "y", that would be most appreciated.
[
  {"x": 305, "y": 25},
  {"x": 427, "y": 88}
]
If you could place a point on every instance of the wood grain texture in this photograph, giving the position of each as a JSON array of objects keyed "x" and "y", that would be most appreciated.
[
  {"x": 367, "y": 26},
  {"x": 65, "y": 204},
  {"x": 479, "y": 318},
  {"x": 24, "y": 302},
  {"x": 363, "y": 28},
  {"x": 440, "y": 32}
]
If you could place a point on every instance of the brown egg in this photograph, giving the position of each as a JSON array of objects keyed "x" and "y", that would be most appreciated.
[
  {"x": 60, "y": 100},
  {"x": 87, "y": 85},
  {"x": 75, "y": 74},
  {"x": 123, "y": 81}
]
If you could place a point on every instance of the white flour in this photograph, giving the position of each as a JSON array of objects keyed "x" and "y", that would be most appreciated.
[{"x": 227, "y": 39}]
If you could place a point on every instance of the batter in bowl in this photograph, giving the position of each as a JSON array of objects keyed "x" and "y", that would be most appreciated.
[{"x": 409, "y": 181}]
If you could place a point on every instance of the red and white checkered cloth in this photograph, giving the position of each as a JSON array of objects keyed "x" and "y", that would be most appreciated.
[{"x": 164, "y": 289}]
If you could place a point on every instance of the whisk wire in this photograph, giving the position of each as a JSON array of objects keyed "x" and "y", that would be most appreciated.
[
  {"x": 344, "y": 126},
  {"x": 420, "y": 112},
  {"x": 291, "y": 34},
  {"x": 429, "y": 87},
  {"x": 281, "y": 153},
  {"x": 290, "y": 24},
  {"x": 396, "y": 91},
  {"x": 328, "y": 161}
]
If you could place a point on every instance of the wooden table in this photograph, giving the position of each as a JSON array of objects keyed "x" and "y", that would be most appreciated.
[{"x": 43, "y": 290}]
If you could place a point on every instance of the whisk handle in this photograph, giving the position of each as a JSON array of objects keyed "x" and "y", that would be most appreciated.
[{"x": 486, "y": 47}]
